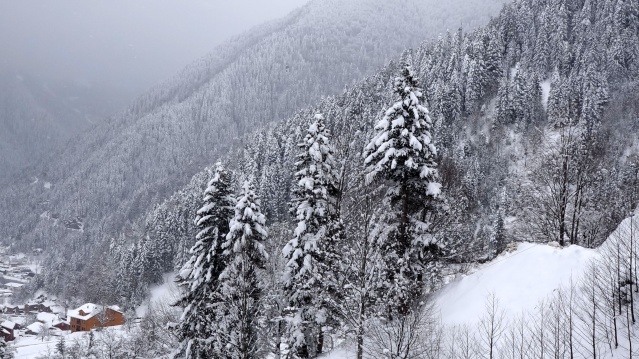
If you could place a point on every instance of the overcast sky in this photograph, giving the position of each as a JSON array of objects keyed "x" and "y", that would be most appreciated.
[{"x": 131, "y": 44}]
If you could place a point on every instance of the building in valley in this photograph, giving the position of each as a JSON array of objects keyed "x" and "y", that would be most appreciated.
[{"x": 91, "y": 316}]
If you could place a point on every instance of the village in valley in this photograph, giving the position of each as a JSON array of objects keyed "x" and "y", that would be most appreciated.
[{"x": 43, "y": 320}]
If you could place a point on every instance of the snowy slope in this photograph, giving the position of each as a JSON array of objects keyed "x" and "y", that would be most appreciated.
[{"x": 520, "y": 280}]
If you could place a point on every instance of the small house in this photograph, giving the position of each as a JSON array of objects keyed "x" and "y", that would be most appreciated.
[
  {"x": 34, "y": 328},
  {"x": 91, "y": 316},
  {"x": 9, "y": 327},
  {"x": 11, "y": 309}
]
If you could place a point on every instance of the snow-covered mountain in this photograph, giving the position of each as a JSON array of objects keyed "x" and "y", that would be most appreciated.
[
  {"x": 38, "y": 117},
  {"x": 534, "y": 126},
  {"x": 123, "y": 165}
]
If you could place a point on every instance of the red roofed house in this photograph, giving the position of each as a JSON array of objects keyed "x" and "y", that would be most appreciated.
[{"x": 91, "y": 316}]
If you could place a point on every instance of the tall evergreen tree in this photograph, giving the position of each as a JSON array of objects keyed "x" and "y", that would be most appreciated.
[
  {"x": 311, "y": 254},
  {"x": 403, "y": 155},
  {"x": 241, "y": 288},
  {"x": 199, "y": 326}
]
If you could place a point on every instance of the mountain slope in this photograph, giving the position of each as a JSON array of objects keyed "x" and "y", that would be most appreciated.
[
  {"x": 109, "y": 176},
  {"x": 528, "y": 283},
  {"x": 498, "y": 141},
  {"x": 37, "y": 117}
]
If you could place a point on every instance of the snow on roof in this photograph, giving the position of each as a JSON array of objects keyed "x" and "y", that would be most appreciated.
[
  {"x": 35, "y": 327},
  {"x": 116, "y": 308},
  {"x": 8, "y": 324},
  {"x": 86, "y": 311},
  {"x": 47, "y": 318},
  {"x": 58, "y": 309},
  {"x": 14, "y": 285}
]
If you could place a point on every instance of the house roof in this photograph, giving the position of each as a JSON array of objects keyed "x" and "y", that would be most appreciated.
[
  {"x": 8, "y": 324},
  {"x": 88, "y": 310},
  {"x": 47, "y": 318},
  {"x": 35, "y": 327},
  {"x": 58, "y": 309},
  {"x": 115, "y": 308}
]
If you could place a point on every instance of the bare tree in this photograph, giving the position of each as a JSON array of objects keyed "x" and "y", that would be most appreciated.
[
  {"x": 461, "y": 342},
  {"x": 491, "y": 327},
  {"x": 589, "y": 313},
  {"x": 355, "y": 305},
  {"x": 539, "y": 329},
  {"x": 517, "y": 343},
  {"x": 412, "y": 336}
]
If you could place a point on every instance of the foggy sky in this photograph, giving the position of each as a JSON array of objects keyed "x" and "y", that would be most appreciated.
[{"x": 126, "y": 44}]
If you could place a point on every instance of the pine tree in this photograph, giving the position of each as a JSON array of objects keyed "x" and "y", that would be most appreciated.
[
  {"x": 198, "y": 328},
  {"x": 311, "y": 254},
  {"x": 5, "y": 351},
  {"x": 403, "y": 155},
  {"x": 60, "y": 347},
  {"x": 241, "y": 289}
]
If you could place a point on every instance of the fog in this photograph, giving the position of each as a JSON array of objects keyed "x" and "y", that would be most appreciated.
[{"x": 124, "y": 45}]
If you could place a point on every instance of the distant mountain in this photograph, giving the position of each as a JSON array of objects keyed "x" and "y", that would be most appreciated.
[
  {"x": 123, "y": 165},
  {"x": 38, "y": 117}
]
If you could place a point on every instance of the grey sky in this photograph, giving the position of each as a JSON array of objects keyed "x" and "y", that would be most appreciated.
[{"x": 126, "y": 44}]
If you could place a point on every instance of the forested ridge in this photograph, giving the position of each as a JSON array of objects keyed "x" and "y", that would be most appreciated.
[
  {"x": 530, "y": 119},
  {"x": 106, "y": 179},
  {"x": 514, "y": 166}
]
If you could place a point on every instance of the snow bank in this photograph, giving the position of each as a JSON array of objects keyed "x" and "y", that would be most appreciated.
[{"x": 519, "y": 280}]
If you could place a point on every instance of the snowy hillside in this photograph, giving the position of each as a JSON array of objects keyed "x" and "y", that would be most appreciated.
[
  {"x": 127, "y": 164},
  {"x": 525, "y": 283},
  {"x": 520, "y": 279},
  {"x": 37, "y": 117}
]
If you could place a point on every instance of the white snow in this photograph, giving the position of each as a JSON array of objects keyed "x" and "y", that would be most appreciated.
[
  {"x": 545, "y": 93},
  {"x": 519, "y": 279},
  {"x": 163, "y": 293},
  {"x": 88, "y": 310},
  {"x": 47, "y": 185}
]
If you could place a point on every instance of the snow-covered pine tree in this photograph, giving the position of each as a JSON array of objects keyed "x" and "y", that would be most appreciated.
[
  {"x": 403, "y": 155},
  {"x": 312, "y": 254},
  {"x": 5, "y": 351},
  {"x": 240, "y": 285},
  {"x": 199, "y": 326}
]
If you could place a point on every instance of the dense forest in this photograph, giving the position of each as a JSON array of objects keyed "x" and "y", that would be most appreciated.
[{"x": 103, "y": 182}]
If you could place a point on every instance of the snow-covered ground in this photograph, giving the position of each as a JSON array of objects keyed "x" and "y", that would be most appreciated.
[
  {"x": 32, "y": 347},
  {"x": 163, "y": 293},
  {"x": 520, "y": 280}
]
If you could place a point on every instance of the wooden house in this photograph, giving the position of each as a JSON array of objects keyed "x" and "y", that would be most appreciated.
[
  {"x": 7, "y": 330},
  {"x": 11, "y": 309},
  {"x": 91, "y": 316},
  {"x": 37, "y": 307}
]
